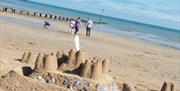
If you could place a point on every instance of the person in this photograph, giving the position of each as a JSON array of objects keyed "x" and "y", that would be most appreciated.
[
  {"x": 46, "y": 24},
  {"x": 77, "y": 25},
  {"x": 71, "y": 26},
  {"x": 89, "y": 26}
]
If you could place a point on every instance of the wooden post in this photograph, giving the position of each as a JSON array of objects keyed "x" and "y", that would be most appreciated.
[
  {"x": 21, "y": 12},
  {"x": 45, "y": 16},
  {"x": 59, "y": 18},
  {"x": 40, "y": 14},
  {"x": 34, "y": 14},
  {"x": 50, "y": 16},
  {"x": 11, "y": 10},
  {"x": 67, "y": 18},
  {"x": 63, "y": 18},
  {"x": 28, "y": 13},
  {"x": 55, "y": 17},
  {"x": 5, "y": 9}
]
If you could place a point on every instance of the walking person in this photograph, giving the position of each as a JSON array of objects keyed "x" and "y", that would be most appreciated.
[
  {"x": 77, "y": 25},
  {"x": 89, "y": 26},
  {"x": 71, "y": 26}
]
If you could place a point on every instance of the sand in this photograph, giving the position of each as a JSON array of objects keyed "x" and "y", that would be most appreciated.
[{"x": 144, "y": 65}]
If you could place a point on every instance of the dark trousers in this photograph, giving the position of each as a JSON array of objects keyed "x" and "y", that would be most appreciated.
[
  {"x": 88, "y": 31},
  {"x": 76, "y": 30}
]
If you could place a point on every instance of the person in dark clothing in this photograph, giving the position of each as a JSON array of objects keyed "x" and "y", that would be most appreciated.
[{"x": 46, "y": 24}]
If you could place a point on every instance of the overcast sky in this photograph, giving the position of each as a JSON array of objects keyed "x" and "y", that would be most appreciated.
[{"x": 158, "y": 12}]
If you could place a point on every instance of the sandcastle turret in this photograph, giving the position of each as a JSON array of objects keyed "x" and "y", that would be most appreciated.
[
  {"x": 50, "y": 64},
  {"x": 39, "y": 63},
  {"x": 96, "y": 70},
  {"x": 168, "y": 87},
  {"x": 72, "y": 57},
  {"x": 105, "y": 66},
  {"x": 81, "y": 57},
  {"x": 86, "y": 70},
  {"x": 31, "y": 58},
  {"x": 25, "y": 57},
  {"x": 59, "y": 54},
  {"x": 128, "y": 87}
]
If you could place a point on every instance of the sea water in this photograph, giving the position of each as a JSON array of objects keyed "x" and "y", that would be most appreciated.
[{"x": 147, "y": 33}]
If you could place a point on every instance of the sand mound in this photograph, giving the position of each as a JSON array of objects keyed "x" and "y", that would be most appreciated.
[{"x": 14, "y": 82}]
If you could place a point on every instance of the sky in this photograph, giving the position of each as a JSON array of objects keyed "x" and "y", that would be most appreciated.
[{"x": 157, "y": 12}]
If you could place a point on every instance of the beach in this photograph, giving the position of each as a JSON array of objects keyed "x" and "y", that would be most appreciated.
[{"x": 144, "y": 65}]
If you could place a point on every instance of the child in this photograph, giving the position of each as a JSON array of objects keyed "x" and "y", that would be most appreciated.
[{"x": 46, "y": 24}]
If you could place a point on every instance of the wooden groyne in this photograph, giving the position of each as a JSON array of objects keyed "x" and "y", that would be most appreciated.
[{"x": 41, "y": 14}]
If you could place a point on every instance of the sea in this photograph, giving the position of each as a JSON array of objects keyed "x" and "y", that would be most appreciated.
[{"x": 120, "y": 27}]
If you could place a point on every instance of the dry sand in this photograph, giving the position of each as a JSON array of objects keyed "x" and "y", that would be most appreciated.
[{"x": 146, "y": 66}]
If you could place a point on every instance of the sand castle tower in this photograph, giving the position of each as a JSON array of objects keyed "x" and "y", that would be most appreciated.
[
  {"x": 39, "y": 63},
  {"x": 80, "y": 57},
  {"x": 86, "y": 70},
  {"x": 25, "y": 57},
  {"x": 50, "y": 64},
  {"x": 96, "y": 70},
  {"x": 128, "y": 87},
  {"x": 59, "y": 54},
  {"x": 105, "y": 66},
  {"x": 31, "y": 58},
  {"x": 168, "y": 87},
  {"x": 72, "y": 57}
]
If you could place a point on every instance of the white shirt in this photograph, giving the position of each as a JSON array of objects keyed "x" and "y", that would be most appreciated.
[
  {"x": 71, "y": 23},
  {"x": 90, "y": 24}
]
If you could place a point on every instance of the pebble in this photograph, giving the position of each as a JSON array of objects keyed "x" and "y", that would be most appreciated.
[
  {"x": 53, "y": 80},
  {"x": 84, "y": 83},
  {"x": 77, "y": 83},
  {"x": 85, "y": 89},
  {"x": 43, "y": 80},
  {"x": 70, "y": 87},
  {"x": 39, "y": 77},
  {"x": 65, "y": 82},
  {"x": 90, "y": 84},
  {"x": 100, "y": 88},
  {"x": 47, "y": 81}
]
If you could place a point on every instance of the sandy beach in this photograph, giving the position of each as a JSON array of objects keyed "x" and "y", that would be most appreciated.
[{"x": 144, "y": 65}]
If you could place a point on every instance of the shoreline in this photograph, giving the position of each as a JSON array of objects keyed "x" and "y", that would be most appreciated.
[
  {"x": 142, "y": 37},
  {"x": 145, "y": 65},
  {"x": 106, "y": 32}
]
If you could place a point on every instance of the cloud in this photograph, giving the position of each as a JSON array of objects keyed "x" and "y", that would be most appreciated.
[{"x": 138, "y": 10}]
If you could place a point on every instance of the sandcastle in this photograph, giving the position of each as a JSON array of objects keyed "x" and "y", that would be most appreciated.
[
  {"x": 89, "y": 68},
  {"x": 127, "y": 87},
  {"x": 168, "y": 87},
  {"x": 76, "y": 71},
  {"x": 73, "y": 70},
  {"x": 29, "y": 58}
]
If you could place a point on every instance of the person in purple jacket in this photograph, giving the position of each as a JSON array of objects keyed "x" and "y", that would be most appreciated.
[{"x": 77, "y": 25}]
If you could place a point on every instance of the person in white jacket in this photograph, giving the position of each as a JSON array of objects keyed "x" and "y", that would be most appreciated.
[
  {"x": 89, "y": 26},
  {"x": 71, "y": 26}
]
